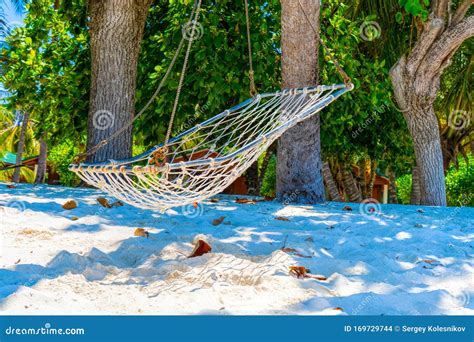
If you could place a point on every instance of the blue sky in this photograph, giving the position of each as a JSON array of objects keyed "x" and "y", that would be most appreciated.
[{"x": 12, "y": 17}]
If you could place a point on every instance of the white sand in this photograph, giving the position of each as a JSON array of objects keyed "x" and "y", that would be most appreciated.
[{"x": 395, "y": 261}]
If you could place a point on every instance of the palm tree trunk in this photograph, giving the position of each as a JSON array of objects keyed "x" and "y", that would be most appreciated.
[
  {"x": 116, "y": 32},
  {"x": 21, "y": 146},
  {"x": 350, "y": 186},
  {"x": 393, "y": 187},
  {"x": 330, "y": 183},
  {"x": 299, "y": 167},
  {"x": 41, "y": 168}
]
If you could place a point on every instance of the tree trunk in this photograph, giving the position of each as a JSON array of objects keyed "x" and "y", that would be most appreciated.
[
  {"x": 416, "y": 81},
  {"x": 330, "y": 183},
  {"x": 116, "y": 32},
  {"x": 393, "y": 187},
  {"x": 41, "y": 168},
  {"x": 350, "y": 187},
  {"x": 373, "y": 176},
  {"x": 415, "y": 187},
  {"x": 21, "y": 146},
  {"x": 252, "y": 179},
  {"x": 299, "y": 174}
]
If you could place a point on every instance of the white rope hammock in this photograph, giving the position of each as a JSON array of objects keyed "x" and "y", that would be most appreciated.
[{"x": 207, "y": 158}]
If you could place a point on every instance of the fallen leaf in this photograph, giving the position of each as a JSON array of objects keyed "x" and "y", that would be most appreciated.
[
  {"x": 310, "y": 239},
  {"x": 11, "y": 186},
  {"x": 195, "y": 205},
  {"x": 117, "y": 204},
  {"x": 303, "y": 256},
  {"x": 74, "y": 218},
  {"x": 245, "y": 201},
  {"x": 17, "y": 262},
  {"x": 420, "y": 210},
  {"x": 338, "y": 308},
  {"x": 320, "y": 278},
  {"x": 200, "y": 248},
  {"x": 288, "y": 250},
  {"x": 104, "y": 202},
  {"x": 298, "y": 271},
  {"x": 141, "y": 232},
  {"x": 69, "y": 205},
  {"x": 214, "y": 200},
  {"x": 431, "y": 261},
  {"x": 218, "y": 221},
  {"x": 282, "y": 218},
  {"x": 347, "y": 208}
]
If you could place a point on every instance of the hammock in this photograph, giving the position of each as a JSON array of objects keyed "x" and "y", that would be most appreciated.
[
  {"x": 207, "y": 158},
  {"x": 225, "y": 146}
]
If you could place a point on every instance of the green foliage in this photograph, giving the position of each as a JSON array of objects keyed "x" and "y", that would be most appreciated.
[
  {"x": 269, "y": 179},
  {"x": 60, "y": 157},
  {"x": 404, "y": 189},
  {"x": 217, "y": 76},
  {"x": 416, "y": 8},
  {"x": 460, "y": 184}
]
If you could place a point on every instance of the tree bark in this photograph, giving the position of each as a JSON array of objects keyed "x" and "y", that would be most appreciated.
[
  {"x": 330, "y": 183},
  {"x": 415, "y": 197},
  {"x": 41, "y": 168},
  {"x": 299, "y": 174},
  {"x": 393, "y": 187},
  {"x": 350, "y": 186},
  {"x": 416, "y": 81},
  {"x": 21, "y": 146},
  {"x": 116, "y": 32}
]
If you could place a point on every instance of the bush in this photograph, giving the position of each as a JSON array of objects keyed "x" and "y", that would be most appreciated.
[
  {"x": 459, "y": 185},
  {"x": 59, "y": 157}
]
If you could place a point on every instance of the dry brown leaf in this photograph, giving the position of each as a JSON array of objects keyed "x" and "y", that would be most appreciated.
[
  {"x": 69, "y": 205},
  {"x": 245, "y": 201},
  {"x": 117, "y": 204},
  {"x": 288, "y": 250},
  {"x": 320, "y": 278},
  {"x": 195, "y": 205},
  {"x": 74, "y": 218},
  {"x": 431, "y": 261},
  {"x": 104, "y": 202},
  {"x": 347, "y": 208},
  {"x": 141, "y": 232},
  {"x": 214, "y": 200},
  {"x": 303, "y": 256},
  {"x": 218, "y": 221},
  {"x": 298, "y": 271},
  {"x": 282, "y": 218},
  {"x": 339, "y": 308},
  {"x": 11, "y": 186},
  {"x": 200, "y": 248}
]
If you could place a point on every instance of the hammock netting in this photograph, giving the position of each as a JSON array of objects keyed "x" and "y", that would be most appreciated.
[{"x": 207, "y": 158}]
